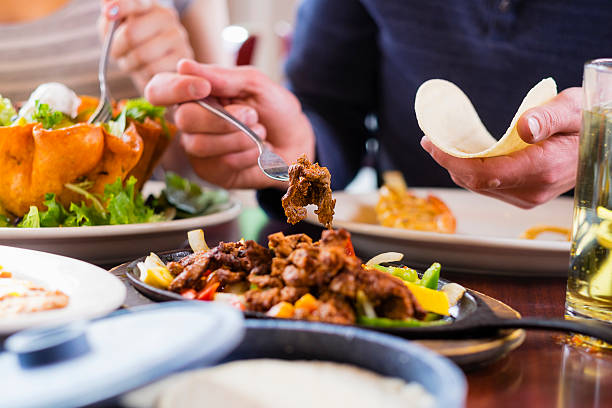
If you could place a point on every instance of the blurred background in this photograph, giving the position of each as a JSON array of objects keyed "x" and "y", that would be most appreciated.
[{"x": 269, "y": 24}]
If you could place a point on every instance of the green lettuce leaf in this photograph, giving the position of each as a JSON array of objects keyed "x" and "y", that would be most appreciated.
[
  {"x": 125, "y": 205},
  {"x": 7, "y": 112},
  {"x": 190, "y": 199},
  {"x": 31, "y": 219},
  {"x": 117, "y": 127},
  {"x": 49, "y": 118},
  {"x": 55, "y": 215},
  {"x": 139, "y": 109},
  {"x": 84, "y": 215}
]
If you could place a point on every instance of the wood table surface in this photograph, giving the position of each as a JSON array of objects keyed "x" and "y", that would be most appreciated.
[{"x": 542, "y": 372}]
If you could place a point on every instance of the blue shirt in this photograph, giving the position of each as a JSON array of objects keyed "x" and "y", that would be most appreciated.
[{"x": 351, "y": 58}]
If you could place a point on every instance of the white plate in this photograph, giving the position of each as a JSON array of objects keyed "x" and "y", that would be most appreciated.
[
  {"x": 487, "y": 238},
  {"x": 92, "y": 291},
  {"x": 112, "y": 244}
]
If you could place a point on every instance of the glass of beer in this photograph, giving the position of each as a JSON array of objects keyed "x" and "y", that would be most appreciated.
[{"x": 589, "y": 285}]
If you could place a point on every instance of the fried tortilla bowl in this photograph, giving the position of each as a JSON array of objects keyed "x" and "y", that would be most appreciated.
[{"x": 36, "y": 161}]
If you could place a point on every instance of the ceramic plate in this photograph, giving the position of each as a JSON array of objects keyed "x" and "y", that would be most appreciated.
[
  {"x": 111, "y": 244},
  {"x": 487, "y": 238},
  {"x": 92, "y": 291}
]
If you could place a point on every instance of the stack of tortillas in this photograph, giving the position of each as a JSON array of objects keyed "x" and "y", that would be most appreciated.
[{"x": 449, "y": 120}]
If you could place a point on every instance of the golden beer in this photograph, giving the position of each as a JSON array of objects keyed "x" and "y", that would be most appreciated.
[{"x": 589, "y": 285}]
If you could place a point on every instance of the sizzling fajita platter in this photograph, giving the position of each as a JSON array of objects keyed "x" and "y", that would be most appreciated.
[{"x": 269, "y": 283}]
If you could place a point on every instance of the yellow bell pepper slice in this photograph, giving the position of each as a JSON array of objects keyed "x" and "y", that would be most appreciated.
[
  {"x": 158, "y": 277},
  {"x": 431, "y": 300}
]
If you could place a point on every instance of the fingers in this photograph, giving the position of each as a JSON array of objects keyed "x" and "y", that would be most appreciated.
[
  {"x": 226, "y": 82},
  {"x": 169, "y": 88},
  {"x": 559, "y": 115},
  {"x": 192, "y": 118},
  {"x": 136, "y": 30},
  {"x": 526, "y": 178},
  {"x": 211, "y": 145},
  {"x": 118, "y": 9},
  {"x": 153, "y": 49}
]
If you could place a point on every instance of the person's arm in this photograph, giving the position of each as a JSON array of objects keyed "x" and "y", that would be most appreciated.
[
  {"x": 204, "y": 21},
  {"x": 332, "y": 69}
]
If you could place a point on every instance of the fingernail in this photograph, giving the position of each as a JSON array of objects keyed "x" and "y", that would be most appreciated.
[
  {"x": 199, "y": 89},
  {"x": 248, "y": 115},
  {"x": 145, "y": 3},
  {"x": 494, "y": 183},
  {"x": 425, "y": 145},
  {"x": 112, "y": 10},
  {"x": 534, "y": 127}
]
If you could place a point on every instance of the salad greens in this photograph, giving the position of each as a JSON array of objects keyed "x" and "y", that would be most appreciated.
[
  {"x": 49, "y": 118},
  {"x": 120, "y": 204},
  {"x": 139, "y": 109},
  {"x": 188, "y": 198},
  {"x": 7, "y": 111}
]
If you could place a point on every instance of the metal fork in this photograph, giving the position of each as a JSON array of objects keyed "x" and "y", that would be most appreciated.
[
  {"x": 269, "y": 162},
  {"x": 104, "y": 110}
]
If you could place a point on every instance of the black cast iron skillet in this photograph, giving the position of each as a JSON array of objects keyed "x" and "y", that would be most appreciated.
[{"x": 472, "y": 317}]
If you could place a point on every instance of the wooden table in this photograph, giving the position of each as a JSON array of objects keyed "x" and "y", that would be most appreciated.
[{"x": 543, "y": 372}]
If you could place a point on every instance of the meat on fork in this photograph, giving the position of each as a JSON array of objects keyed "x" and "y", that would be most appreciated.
[{"x": 309, "y": 184}]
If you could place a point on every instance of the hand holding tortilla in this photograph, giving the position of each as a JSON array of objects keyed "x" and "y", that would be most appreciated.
[
  {"x": 448, "y": 119},
  {"x": 521, "y": 174}
]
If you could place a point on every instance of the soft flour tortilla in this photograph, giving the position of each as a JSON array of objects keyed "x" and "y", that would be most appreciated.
[
  {"x": 449, "y": 120},
  {"x": 265, "y": 383}
]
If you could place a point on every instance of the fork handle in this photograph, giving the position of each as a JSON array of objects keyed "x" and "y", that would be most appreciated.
[
  {"x": 601, "y": 331},
  {"x": 215, "y": 107}
]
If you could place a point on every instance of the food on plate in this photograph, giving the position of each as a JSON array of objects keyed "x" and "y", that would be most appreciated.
[
  {"x": 447, "y": 117},
  {"x": 19, "y": 296},
  {"x": 300, "y": 279},
  {"x": 49, "y": 149},
  {"x": 58, "y": 170},
  {"x": 399, "y": 208},
  {"x": 536, "y": 230},
  {"x": 309, "y": 184},
  {"x": 307, "y": 384}
]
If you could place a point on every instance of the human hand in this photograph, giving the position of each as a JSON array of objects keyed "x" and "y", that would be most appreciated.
[
  {"x": 150, "y": 38},
  {"x": 218, "y": 152},
  {"x": 536, "y": 174}
]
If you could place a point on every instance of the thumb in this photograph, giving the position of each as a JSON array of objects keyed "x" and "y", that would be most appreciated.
[
  {"x": 559, "y": 115},
  {"x": 225, "y": 82}
]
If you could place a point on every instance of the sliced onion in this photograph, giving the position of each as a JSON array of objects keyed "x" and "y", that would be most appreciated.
[
  {"x": 454, "y": 292},
  {"x": 385, "y": 257},
  {"x": 365, "y": 305},
  {"x": 197, "y": 241}
]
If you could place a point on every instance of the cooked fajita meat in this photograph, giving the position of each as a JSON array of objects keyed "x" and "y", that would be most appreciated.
[
  {"x": 309, "y": 184},
  {"x": 319, "y": 281},
  {"x": 230, "y": 262}
]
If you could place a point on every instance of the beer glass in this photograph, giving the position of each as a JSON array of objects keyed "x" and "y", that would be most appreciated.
[{"x": 589, "y": 285}]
